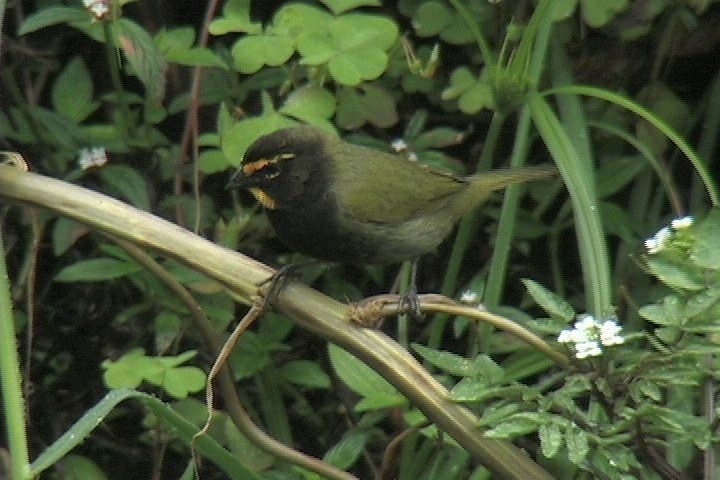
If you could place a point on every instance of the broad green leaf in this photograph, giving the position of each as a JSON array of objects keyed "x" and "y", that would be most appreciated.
[
  {"x": 129, "y": 183},
  {"x": 52, "y": 16},
  {"x": 306, "y": 373},
  {"x": 65, "y": 233},
  {"x": 176, "y": 44},
  {"x": 342, "y": 6},
  {"x": 73, "y": 91},
  {"x": 143, "y": 56},
  {"x": 78, "y": 467},
  {"x": 345, "y": 453},
  {"x": 97, "y": 269},
  {"x": 363, "y": 380},
  {"x": 446, "y": 361},
  {"x": 702, "y": 301},
  {"x": 675, "y": 275},
  {"x": 705, "y": 252}
]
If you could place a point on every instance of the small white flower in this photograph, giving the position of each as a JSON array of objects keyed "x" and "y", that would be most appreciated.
[
  {"x": 468, "y": 297},
  {"x": 399, "y": 145},
  {"x": 659, "y": 241},
  {"x": 587, "y": 349},
  {"x": 589, "y": 334},
  {"x": 682, "y": 223},
  {"x": 98, "y": 8},
  {"x": 610, "y": 333},
  {"x": 92, "y": 157},
  {"x": 412, "y": 156}
]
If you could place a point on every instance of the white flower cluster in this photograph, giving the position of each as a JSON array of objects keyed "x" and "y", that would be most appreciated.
[
  {"x": 662, "y": 237},
  {"x": 92, "y": 157},
  {"x": 98, "y": 8},
  {"x": 590, "y": 335}
]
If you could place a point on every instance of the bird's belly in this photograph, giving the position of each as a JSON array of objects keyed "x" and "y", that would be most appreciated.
[{"x": 351, "y": 241}]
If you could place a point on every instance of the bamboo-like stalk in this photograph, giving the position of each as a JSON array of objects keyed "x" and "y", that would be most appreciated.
[{"x": 308, "y": 308}]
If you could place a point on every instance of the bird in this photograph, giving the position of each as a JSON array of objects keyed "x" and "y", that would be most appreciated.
[{"x": 345, "y": 203}]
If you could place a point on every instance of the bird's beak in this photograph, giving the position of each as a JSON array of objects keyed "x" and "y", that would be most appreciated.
[{"x": 237, "y": 180}]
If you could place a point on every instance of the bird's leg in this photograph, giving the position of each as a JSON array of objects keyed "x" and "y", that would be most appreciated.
[
  {"x": 409, "y": 302},
  {"x": 279, "y": 279}
]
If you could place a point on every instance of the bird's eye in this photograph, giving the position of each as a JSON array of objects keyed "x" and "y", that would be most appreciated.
[{"x": 271, "y": 170}]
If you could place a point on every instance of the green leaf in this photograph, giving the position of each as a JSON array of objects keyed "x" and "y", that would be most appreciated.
[
  {"x": 366, "y": 103},
  {"x": 310, "y": 102},
  {"x": 549, "y": 301},
  {"x": 577, "y": 445},
  {"x": 342, "y": 6},
  {"x": 212, "y": 161},
  {"x": 306, "y": 373},
  {"x": 143, "y": 56},
  {"x": 705, "y": 252},
  {"x": 253, "y": 52},
  {"x": 181, "y": 381},
  {"x": 176, "y": 46},
  {"x": 702, "y": 301},
  {"x": 432, "y": 18},
  {"x": 297, "y": 19},
  {"x": 73, "y": 91},
  {"x": 551, "y": 439},
  {"x": 675, "y": 275},
  {"x": 78, "y": 467},
  {"x": 345, "y": 453},
  {"x": 597, "y": 14},
  {"x": 184, "y": 430},
  {"x": 235, "y": 18},
  {"x": 353, "y": 46},
  {"x": 65, "y": 233},
  {"x": 135, "y": 367},
  {"x": 446, "y": 361},
  {"x": 97, "y": 269},
  {"x": 516, "y": 425},
  {"x": 128, "y": 183},
  {"x": 363, "y": 380},
  {"x": 52, "y": 16},
  {"x": 656, "y": 314}
]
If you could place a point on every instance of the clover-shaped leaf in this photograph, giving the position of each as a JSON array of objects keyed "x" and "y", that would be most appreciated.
[
  {"x": 309, "y": 103},
  {"x": 298, "y": 19},
  {"x": 473, "y": 93},
  {"x": 235, "y": 18},
  {"x": 353, "y": 47},
  {"x": 341, "y": 6},
  {"x": 251, "y": 53},
  {"x": 134, "y": 367},
  {"x": 368, "y": 103},
  {"x": 432, "y": 18}
]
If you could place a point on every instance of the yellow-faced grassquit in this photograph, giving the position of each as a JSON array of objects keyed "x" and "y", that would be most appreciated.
[{"x": 345, "y": 203}]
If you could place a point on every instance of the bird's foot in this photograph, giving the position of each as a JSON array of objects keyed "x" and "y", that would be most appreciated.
[{"x": 370, "y": 311}]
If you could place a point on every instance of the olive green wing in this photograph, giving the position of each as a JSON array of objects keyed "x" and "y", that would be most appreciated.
[{"x": 375, "y": 186}]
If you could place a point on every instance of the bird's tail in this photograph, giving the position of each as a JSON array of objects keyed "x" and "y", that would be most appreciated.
[{"x": 484, "y": 183}]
